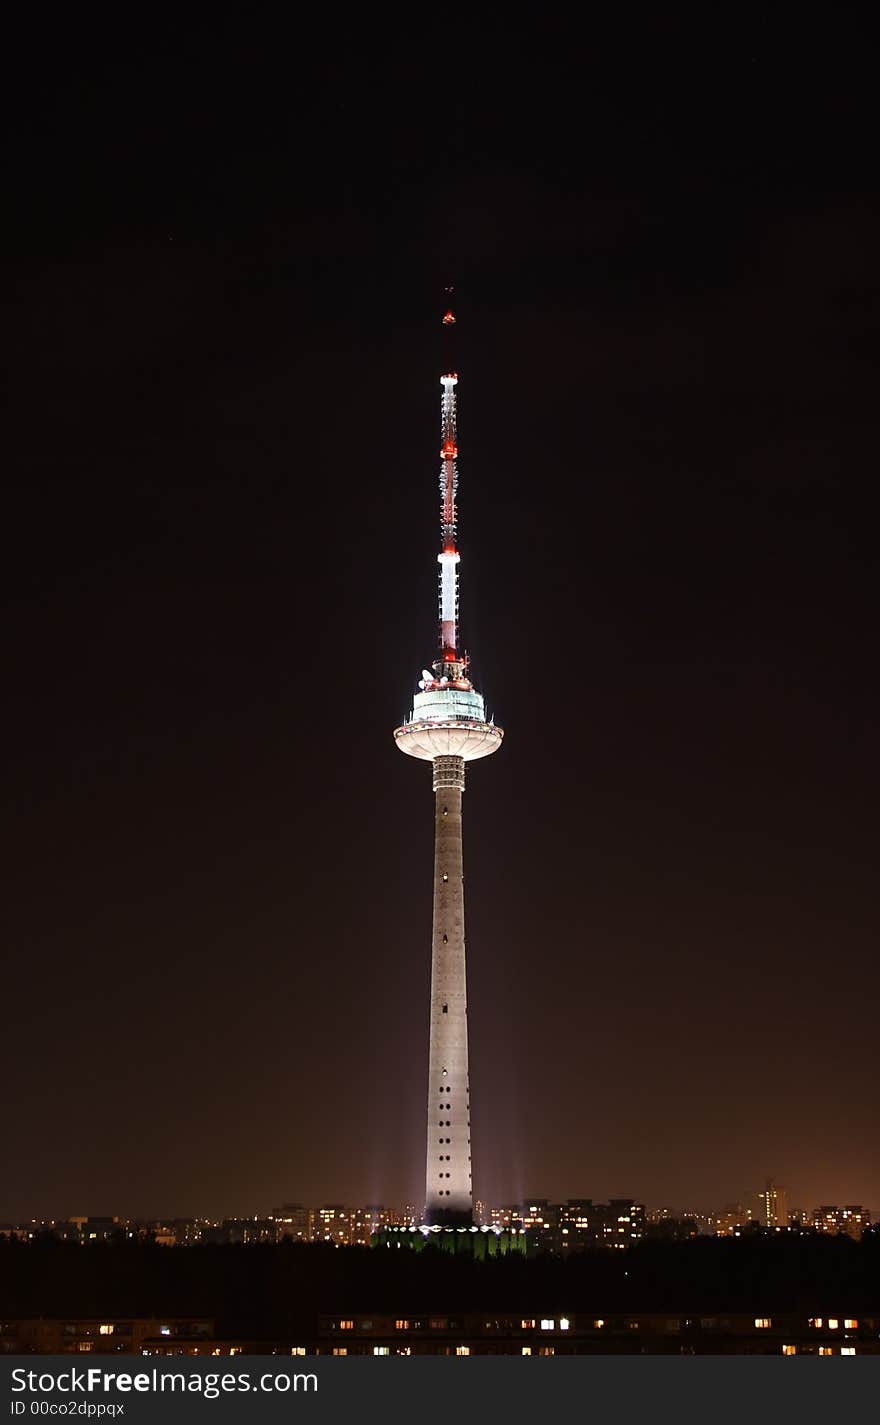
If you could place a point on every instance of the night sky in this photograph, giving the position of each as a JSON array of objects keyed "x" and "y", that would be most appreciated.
[{"x": 224, "y": 261}]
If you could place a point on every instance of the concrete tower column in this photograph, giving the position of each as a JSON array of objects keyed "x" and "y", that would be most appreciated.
[{"x": 448, "y": 1194}]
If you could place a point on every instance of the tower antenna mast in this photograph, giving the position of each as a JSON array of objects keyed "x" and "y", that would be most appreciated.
[{"x": 449, "y": 557}]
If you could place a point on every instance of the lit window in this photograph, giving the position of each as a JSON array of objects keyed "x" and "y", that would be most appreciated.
[
  {"x": 527, "y": 1324},
  {"x": 547, "y": 1323},
  {"x": 164, "y": 1330},
  {"x": 847, "y": 1350},
  {"x": 564, "y": 1323},
  {"x": 597, "y": 1325},
  {"x": 83, "y": 1345},
  {"x": 816, "y": 1322},
  {"x": 833, "y": 1323},
  {"x": 849, "y": 1322},
  {"x": 297, "y": 1350},
  {"x": 546, "y": 1350},
  {"x": 826, "y": 1350},
  {"x": 105, "y": 1330},
  {"x": 401, "y": 1325},
  {"x": 346, "y": 1325},
  {"x": 789, "y": 1350},
  {"x": 462, "y": 1350},
  {"x": 340, "y": 1350},
  {"x": 527, "y": 1350},
  {"x": 762, "y": 1323},
  {"x": 381, "y": 1351}
]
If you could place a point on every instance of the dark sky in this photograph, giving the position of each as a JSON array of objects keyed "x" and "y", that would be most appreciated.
[{"x": 224, "y": 260}]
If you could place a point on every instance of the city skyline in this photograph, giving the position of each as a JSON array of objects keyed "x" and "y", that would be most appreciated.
[
  {"x": 747, "y": 1207},
  {"x": 221, "y": 438}
]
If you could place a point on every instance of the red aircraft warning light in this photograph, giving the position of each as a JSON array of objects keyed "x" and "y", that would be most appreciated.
[{"x": 448, "y": 319}]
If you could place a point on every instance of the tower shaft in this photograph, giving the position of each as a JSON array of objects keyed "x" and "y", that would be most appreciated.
[{"x": 448, "y": 1194}]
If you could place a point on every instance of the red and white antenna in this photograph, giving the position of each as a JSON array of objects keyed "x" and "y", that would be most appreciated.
[{"x": 449, "y": 556}]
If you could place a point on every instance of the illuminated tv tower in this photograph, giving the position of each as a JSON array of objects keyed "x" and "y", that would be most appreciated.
[{"x": 448, "y": 728}]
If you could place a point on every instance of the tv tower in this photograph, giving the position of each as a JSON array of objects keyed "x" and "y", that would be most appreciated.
[{"x": 448, "y": 728}]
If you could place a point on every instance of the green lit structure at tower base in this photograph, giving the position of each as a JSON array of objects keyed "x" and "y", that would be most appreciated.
[{"x": 480, "y": 1243}]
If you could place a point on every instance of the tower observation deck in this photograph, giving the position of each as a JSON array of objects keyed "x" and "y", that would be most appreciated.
[{"x": 448, "y": 728}]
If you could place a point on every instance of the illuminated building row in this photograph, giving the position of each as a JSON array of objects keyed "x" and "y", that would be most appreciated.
[
  {"x": 466, "y": 1333},
  {"x": 578, "y": 1222}
]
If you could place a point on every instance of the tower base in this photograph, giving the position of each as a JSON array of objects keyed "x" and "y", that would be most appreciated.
[
  {"x": 480, "y": 1243},
  {"x": 447, "y": 1217}
]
